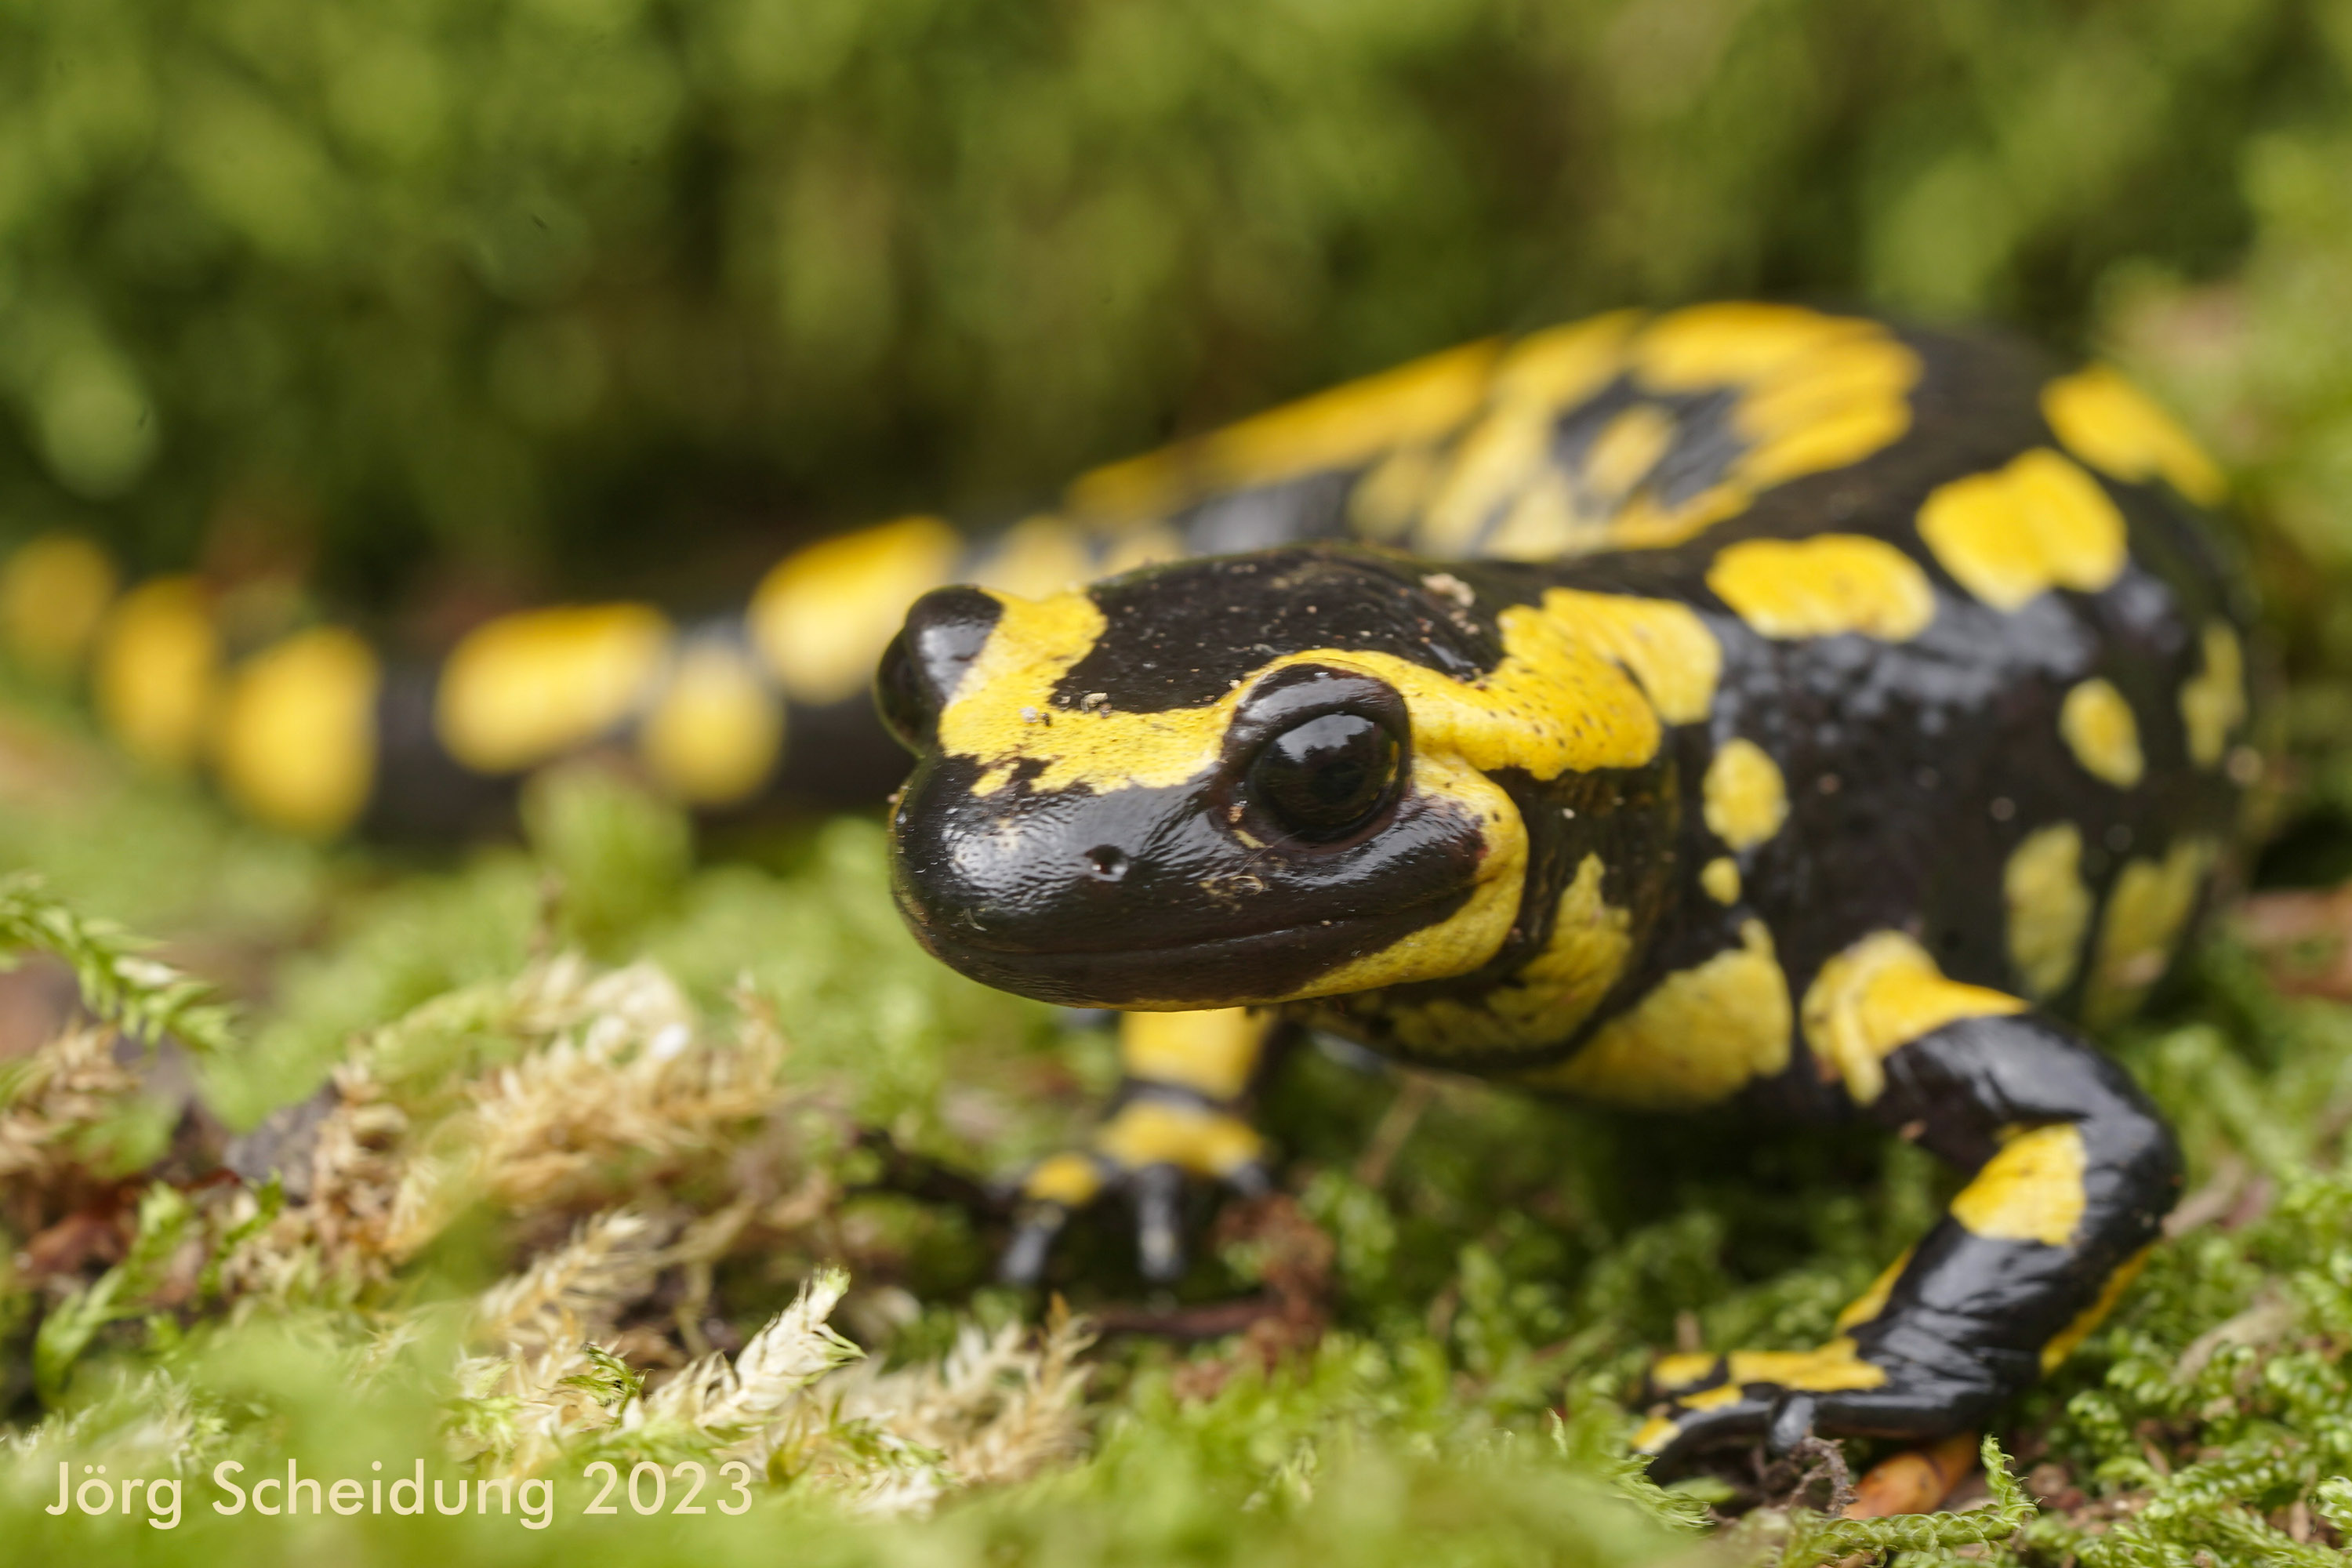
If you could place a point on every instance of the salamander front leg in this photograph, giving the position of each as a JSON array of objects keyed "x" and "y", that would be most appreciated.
[
  {"x": 1178, "y": 1116},
  {"x": 2073, "y": 1174}
]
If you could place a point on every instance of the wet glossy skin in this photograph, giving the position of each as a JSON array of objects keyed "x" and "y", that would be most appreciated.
[
  {"x": 1885, "y": 782},
  {"x": 1741, "y": 705}
]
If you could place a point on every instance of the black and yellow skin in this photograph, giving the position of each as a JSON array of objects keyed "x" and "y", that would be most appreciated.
[
  {"x": 1825, "y": 760},
  {"x": 1744, "y": 707}
]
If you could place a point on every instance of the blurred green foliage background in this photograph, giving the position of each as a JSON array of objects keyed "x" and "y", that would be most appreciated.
[{"x": 555, "y": 294}]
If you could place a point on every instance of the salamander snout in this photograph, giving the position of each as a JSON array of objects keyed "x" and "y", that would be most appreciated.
[{"x": 925, "y": 663}]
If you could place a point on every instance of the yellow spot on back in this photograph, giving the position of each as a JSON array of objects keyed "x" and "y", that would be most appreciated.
[
  {"x": 2114, "y": 427},
  {"x": 1720, "y": 878},
  {"x": 1695, "y": 1038},
  {"x": 1665, "y": 646},
  {"x": 712, "y": 736},
  {"x": 2066, "y": 1341},
  {"x": 1832, "y": 1366},
  {"x": 1879, "y": 995},
  {"x": 1215, "y": 1051},
  {"x": 1037, "y": 555},
  {"x": 1821, "y": 586},
  {"x": 1547, "y": 999},
  {"x": 2039, "y": 523},
  {"x": 2147, "y": 911},
  {"x": 158, "y": 671},
  {"x": 2049, "y": 908},
  {"x": 2213, "y": 702},
  {"x": 296, "y": 745},
  {"x": 2099, "y": 729},
  {"x": 1341, "y": 429},
  {"x": 518, "y": 689},
  {"x": 1744, "y": 800},
  {"x": 2031, "y": 1190},
  {"x": 52, "y": 596},
  {"x": 822, "y": 615}
]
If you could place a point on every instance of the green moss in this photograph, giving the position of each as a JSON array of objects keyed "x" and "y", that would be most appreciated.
[{"x": 1512, "y": 1264}]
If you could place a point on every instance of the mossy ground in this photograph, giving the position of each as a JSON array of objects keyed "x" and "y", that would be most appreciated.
[{"x": 595, "y": 1088}]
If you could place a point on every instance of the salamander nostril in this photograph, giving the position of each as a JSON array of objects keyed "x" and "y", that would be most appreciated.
[{"x": 1109, "y": 863}]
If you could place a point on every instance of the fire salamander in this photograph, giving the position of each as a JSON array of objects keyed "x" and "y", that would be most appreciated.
[
  {"x": 1745, "y": 705},
  {"x": 1738, "y": 706}
]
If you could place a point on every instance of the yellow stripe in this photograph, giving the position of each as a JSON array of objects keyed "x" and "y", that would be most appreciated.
[
  {"x": 298, "y": 735},
  {"x": 1547, "y": 999}
]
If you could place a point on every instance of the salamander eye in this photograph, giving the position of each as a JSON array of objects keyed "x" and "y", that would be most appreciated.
[{"x": 1325, "y": 778}]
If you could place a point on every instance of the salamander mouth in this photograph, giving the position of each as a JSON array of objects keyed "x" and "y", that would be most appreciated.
[{"x": 1247, "y": 968}]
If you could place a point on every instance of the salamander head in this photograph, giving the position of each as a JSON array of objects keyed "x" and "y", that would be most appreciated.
[{"x": 1249, "y": 779}]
